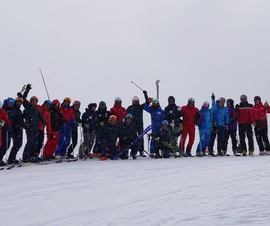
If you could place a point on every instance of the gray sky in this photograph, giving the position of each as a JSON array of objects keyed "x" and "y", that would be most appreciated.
[{"x": 91, "y": 50}]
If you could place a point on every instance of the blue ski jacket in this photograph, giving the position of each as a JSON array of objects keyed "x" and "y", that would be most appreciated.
[{"x": 157, "y": 116}]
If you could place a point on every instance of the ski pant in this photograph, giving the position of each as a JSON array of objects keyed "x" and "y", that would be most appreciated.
[
  {"x": 64, "y": 139},
  {"x": 139, "y": 131},
  {"x": 108, "y": 149},
  {"x": 218, "y": 131},
  {"x": 32, "y": 136},
  {"x": 51, "y": 144},
  {"x": 246, "y": 130},
  {"x": 232, "y": 134},
  {"x": 6, "y": 137},
  {"x": 74, "y": 140},
  {"x": 205, "y": 135},
  {"x": 262, "y": 139},
  {"x": 187, "y": 130},
  {"x": 152, "y": 145},
  {"x": 40, "y": 142},
  {"x": 165, "y": 151},
  {"x": 17, "y": 137},
  {"x": 135, "y": 147},
  {"x": 88, "y": 142},
  {"x": 97, "y": 149}
]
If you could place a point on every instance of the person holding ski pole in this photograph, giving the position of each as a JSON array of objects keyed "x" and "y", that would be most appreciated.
[
  {"x": 259, "y": 112},
  {"x": 157, "y": 116}
]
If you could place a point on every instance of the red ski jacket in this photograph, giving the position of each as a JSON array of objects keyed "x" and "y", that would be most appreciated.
[
  {"x": 259, "y": 115},
  {"x": 47, "y": 116},
  {"x": 244, "y": 114},
  {"x": 119, "y": 111},
  {"x": 67, "y": 113},
  {"x": 190, "y": 114},
  {"x": 4, "y": 117}
]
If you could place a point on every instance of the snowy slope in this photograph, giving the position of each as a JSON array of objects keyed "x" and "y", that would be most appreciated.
[{"x": 187, "y": 191}]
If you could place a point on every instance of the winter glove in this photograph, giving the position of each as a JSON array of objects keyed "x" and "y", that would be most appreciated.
[
  {"x": 145, "y": 92},
  {"x": 213, "y": 96},
  {"x": 51, "y": 136},
  {"x": 29, "y": 86},
  {"x": 2, "y": 123},
  {"x": 102, "y": 124},
  {"x": 19, "y": 94},
  {"x": 266, "y": 104},
  {"x": 150, "y": 100},
  {"x": 172, "y": 124}
]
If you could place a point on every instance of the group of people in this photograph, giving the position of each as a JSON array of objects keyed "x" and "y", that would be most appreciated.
[{"x": 118, "y": 132}]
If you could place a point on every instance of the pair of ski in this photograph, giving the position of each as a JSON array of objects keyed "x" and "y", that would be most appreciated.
[{"x": 145, "y": 131}]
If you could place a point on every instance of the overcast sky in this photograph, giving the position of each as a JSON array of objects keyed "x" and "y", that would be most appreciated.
[{"x": 91, "y": 50}]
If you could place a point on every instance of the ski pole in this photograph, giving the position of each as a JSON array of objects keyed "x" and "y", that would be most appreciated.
[
  {"x": 44, "y": 84},
  {"x": 136, "y": 85}
]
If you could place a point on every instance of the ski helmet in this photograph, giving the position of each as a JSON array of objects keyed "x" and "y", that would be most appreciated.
[
  {"x": 102, "y": 103},
  {"x": 230, "y": 101},
  {"x": 92, "y": 105},
  {"x": 222, "y": 100},
  {"x": 34, "y": 98},
  {"x": 206, "y": 104},
  {"x": 164, "y": 122},
  {"x": 112, "y": 118},
  {"x": 171, "y": 98},
  {"x": 135, "y": 98},
  {"x": 155, "y": 101},
  {"x": 129, "y": 116},
  {"x": 67, "y": 99},
  {"x": 257, "y": 98},
  {"x": 56, "y": 102},
  {"x": 19, "y": 99},
  {"x": 191, "y": 99},
  {"x": 243, "y": 97},
  {"x": 10, "y": 100},
  {"x": 76, "y": 102},
  {"x": 47, "y": 102},
  {"x": 118, "y": 99}
]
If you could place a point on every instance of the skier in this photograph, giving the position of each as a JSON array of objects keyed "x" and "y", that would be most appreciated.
[
  {"x": 108, "y": 136},
  {"x": 190, "y": 116},
  {"x": 136, "y": 110},
  {"x": 44, "y": 110},
  {"x": 76, "y": 108},
  {"x": 127, "y": 138},
  {"x": 245, "y": 119},
  {"x": 4, "y": 127},
  {"x": 56, "y": 120},
  {"x": 205, "y": 127},
  {"x": 231, "y": 132},
  {"x": 89, "y": 125},
  {"x": 119, "y": 111},
  {"x": 172, "y": 114},
  {"x": 259, "y": 112},
  {"x": 163, "y": 140},
  {"x": 66, "y": 128},
  {"x": 220, "y": 124},
  {"x": 17, "y": 126},
  {"x": 157, "y": 116},
  {"x": 103, "y": 118},
  {"x": 31, "y": 117}
]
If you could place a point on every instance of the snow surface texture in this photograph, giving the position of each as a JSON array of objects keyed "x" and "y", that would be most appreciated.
[{"x": 184, "y": 191}]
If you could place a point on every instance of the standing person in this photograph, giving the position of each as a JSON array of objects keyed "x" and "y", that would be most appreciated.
[
  {"x": 245, "y": 119},
  {"x": 4, "y": 127},
  {"x": 32, "y": 116},
  {"x": 119, "y": 111},
  {"x": 44, "y": 110},
  {"x": 231, "y": 132},
  {"x": 220, "y": 124},
  {"x": 259, "y": 112},
  {"x": 76, "y": 108},
  {"x": 190, "y": 116},
  {"x": 127, "y": 138},
  {"x": 103, "y": 118},
  {"x": 66, "y": 128},
  {"x": 205, "y": 128},
  {"x": 56, "y": 120},
  {"x": 157, "y": 116},
  {"x": 136, "y": 110},
  {"x": 17, "y": 130},
  {"x": 89, "y": 125}
]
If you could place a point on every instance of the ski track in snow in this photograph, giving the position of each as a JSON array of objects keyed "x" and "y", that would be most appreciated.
[{"x": 186, "y": 191}]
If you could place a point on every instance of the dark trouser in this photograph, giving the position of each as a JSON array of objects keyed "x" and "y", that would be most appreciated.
[
  {"x": 74, "y": 138},
  {"x": 135, "y": 147},
  {"x": 262, "y": 139},
  {"x": 165, "y": 151},
  {"x": 232, "y": 134},
  {"x": 40, "y": 142},
  {"x": 220, "y": 132},
  {"x": 139, "y": 131},
  {"x": 6, "y": 137},
  {"x": 32, "y": 137},
  {"x": 108, "y": 149},
  {"x": 246, "y": 130},
  {"x": 88, "y": 142},
  {"x": 17, "y": 137}
]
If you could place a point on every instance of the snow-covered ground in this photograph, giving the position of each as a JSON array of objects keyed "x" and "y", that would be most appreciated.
[{"x": 184, "y": 191}]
